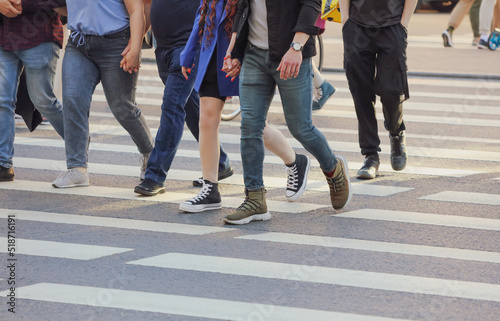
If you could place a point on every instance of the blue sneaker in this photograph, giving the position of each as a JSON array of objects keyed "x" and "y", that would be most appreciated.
[{"x": 322, "y": 94}]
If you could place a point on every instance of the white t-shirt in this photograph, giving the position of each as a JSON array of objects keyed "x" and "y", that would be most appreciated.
[{"x": 258, "y": 34}]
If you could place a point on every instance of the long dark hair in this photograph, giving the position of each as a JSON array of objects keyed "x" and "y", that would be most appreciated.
[{"x": 231, "y": 8}]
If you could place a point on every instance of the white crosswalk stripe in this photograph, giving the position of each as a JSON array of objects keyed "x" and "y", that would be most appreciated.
[
  {"x": 170, "y": 197},
  {"x": 186, "y": 175},
  {"x": 319, "y": 274},
  {"x": 424, "y": 218},
  {"x": 178, "y": 305},
  {"x": 464, "y": 197},
  {"x": 61, "y": 250},
  {"x": 118, "y": 223},
  {"x": 386, "y": 247}
]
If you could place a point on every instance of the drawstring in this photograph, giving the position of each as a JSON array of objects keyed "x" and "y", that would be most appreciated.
[{"x": 81, "y": 40}]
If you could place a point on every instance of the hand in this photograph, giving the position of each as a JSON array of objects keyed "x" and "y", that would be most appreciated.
[
  {"x": 131, "y": 62},
  {"x": 11, "y": 8},
  {"x": 231, "y": 67},
  {"x": 185, "y": 71},
  {"x": 289, "y": 66}
]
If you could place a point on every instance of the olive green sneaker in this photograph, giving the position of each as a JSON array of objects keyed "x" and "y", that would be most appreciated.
[
  {"x": 254, "y": 208},
  {"x": 340, "y": 185}
]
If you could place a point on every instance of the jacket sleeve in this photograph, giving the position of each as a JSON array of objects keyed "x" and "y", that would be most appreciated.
[
  {"x": 309, "y": 12},
  {"x": 193, "y": 44},
  {"x": 36, "y": 5}
]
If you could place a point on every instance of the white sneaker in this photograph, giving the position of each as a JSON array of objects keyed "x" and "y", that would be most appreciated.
[
  {"x": 144, "y": 161},
  {"x": 74, "y": 177}
]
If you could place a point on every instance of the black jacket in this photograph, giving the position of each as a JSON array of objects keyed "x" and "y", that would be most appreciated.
[{"x": 284, "y": 19}]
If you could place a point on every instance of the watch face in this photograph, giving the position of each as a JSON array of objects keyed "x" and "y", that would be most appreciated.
[{"x": 297, "y": 46}]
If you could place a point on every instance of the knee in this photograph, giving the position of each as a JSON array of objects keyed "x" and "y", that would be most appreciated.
[
  {"x": 252, "y": 127},
  {"x": 209, "y": 121}
]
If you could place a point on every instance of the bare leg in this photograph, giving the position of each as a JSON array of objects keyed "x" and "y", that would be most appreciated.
[
  {"x": 276, "y": 142},
  {"x": 210, "y": 113},
  {"x": 317, "y": 78}
]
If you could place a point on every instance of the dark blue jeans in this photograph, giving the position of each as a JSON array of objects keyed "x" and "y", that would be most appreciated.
[{"x": 180, "y": 104}]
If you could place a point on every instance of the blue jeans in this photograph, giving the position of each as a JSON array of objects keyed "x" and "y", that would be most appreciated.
[
  {"x": 89, "y": 60},
  {"x": 180, "y": 103},
  {"x": 258, "y": 81},
  {"x": 40, "y": 64}
]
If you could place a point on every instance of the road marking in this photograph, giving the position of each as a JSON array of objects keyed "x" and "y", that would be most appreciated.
[
  {"x": 456, "y": 121},
  {"x": 424, "y": 218},
  {"x": 480, "y": 85},
  {"x": 185, "y": 175},
  {"x": 441, "y": 138},
  {"x": 177, "y": 305},
  {"x": 62, "y": 250},
  {"x": 144, "y": 92},
  {"x": 325, "y": 275},
  {"x": 169, "y": 197},
  {"x": 464, "y": 197},
  {"x": 119, "y": 223},
  {"x": 376, "y": 246},
  {"x": 338, "y": 146}
]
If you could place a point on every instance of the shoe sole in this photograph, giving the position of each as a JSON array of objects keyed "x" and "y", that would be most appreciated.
[
  {"x": 302, "y": 189},
  {"x": 199, "y": 208},
  {"x": 85, "y": 184},
  {"x": 348, "y": 182},
  {"x": 256, "y": 217},
  {"x": 366, "y": 175},
  {"x": 7, "y": 179},
  {"x": 141, "y": 191}
]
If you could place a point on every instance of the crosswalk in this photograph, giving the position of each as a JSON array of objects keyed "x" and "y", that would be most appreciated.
[{"x": 427, "y": 236}]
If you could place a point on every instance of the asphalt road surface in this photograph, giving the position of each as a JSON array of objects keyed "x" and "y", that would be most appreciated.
[{"x": 421, "y": 244}]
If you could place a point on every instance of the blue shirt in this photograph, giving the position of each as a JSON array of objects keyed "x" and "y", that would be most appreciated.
[{"x": 97, "y": 17}]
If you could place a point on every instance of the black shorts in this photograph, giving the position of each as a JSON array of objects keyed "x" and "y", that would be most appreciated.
[{"x": 209, "y": 86}]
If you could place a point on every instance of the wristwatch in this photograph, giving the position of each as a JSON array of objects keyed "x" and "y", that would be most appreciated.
[{"x": 297, "y": 46}]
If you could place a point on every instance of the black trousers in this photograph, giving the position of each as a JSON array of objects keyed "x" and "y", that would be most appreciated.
[{"x": 375, "y": 64}]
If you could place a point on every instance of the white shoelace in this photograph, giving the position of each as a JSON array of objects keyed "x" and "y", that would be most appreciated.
[
  {"x": 317, "y": 94},
  {"x": 204, "y": 192},
  {"x": 293, "y": 177}
]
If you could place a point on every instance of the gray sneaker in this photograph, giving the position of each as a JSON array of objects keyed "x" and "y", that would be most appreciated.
[
  {"x": 254, "y": 208},
  {"x": 74, "y": 177},
  {"x": 144, "y": 165}
]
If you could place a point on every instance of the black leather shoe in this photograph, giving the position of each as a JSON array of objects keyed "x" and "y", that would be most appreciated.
[
  {"x": 369, "y": 170},
  {"x": 225, "y": 173},
  {"x": 149, "y": 188},
  {"x": 6, "y": 174},
  {"x": 398, "y": 151}
]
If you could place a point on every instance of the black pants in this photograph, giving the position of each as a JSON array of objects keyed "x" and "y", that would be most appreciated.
[{"x": 375, "y": 64}]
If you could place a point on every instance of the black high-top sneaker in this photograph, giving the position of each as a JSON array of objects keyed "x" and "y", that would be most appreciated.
[
  {"x": 207, "y": 199},
  {"x": 297, "y": 177}
]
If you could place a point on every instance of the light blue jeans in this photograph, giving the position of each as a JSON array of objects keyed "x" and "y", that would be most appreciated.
[
  {"x": 89, "y": 60},
  {"x": 40, "y": 64},
  {"x": 258, "y": 81}
]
